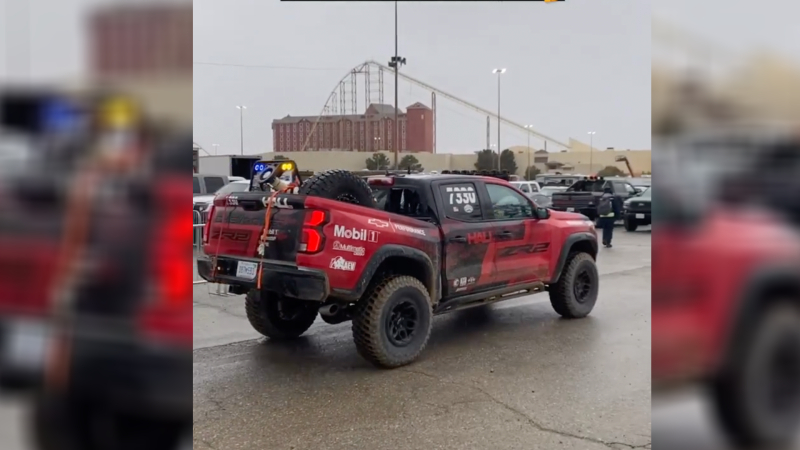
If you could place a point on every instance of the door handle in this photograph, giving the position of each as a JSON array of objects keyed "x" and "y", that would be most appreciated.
[
  {"x": 504, "y": 234},
  {"x": 459, "y": 239}
]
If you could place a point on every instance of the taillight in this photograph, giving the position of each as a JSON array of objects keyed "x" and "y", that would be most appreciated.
[
  {"x": 168, "y": 315},
  {"x": 209, "y": 218},
  {"x": 312, "y": 240}
]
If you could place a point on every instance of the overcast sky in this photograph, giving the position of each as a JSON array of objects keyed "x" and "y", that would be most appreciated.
[{"x": 572, "y": 67}]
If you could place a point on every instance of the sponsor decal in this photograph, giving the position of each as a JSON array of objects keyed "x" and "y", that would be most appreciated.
[
  {"x": 340, "y": 263},
  {"x": 241, "y": 236},
  {"x": 278, "y": 202},
  {"x": 471, "y": 280},
  {"x": 356, "y": 251},
  {"x": 233, "y": 201},
  {"x": 461, "y": 289},
  {"x": 408, "y": 229},
  {"x": 460, "y": 282},
  {"x": 377, "y": 223},
  {"x": 462, "y": 195},
  {"x": 480, "y": 237},
  {"x": 455, "y": 282},
  {"x": 355, "y": 234},
  {"x": 468, "y": 209},
  {"x": 527, "y": 249}
]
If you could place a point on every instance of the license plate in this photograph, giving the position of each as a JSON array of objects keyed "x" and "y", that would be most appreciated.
[
  {"x": 640, "y": 216},
  {"x": 570, "y": 209},
  {"x": 246, "y": 270},
  {"x": 26, "y": 345}
]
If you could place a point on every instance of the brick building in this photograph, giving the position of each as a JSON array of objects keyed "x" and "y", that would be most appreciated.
[{"x": 371, "y": 131}]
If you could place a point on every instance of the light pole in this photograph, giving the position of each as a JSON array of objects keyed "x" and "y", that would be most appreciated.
[
  {"x": 498, "y": 72},
  {"x": 241, "y": 109},
  {"x": 527, "y": 168},
  {"x": 395, "y": 63},
  {"x": 215, "y": 147},
  {"x": 591, "y": 151}
]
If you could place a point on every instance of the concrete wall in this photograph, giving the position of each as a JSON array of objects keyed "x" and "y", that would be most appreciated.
[{"x": 640, "y": 160}]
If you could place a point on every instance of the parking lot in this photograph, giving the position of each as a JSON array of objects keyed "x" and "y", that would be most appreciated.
[{"x": 509, "y": 376}]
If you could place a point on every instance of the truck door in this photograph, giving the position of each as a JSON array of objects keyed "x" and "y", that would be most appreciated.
[
  {"x": 468, "y": 239},
  {"x": 522, "y": 250}
]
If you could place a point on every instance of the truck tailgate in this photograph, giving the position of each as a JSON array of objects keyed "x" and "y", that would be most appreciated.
[
  {"x": 573, "y": 200},
  {"x": 235, "y": 225}
]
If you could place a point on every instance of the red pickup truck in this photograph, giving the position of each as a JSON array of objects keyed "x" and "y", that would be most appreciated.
[{"x": 392, "y": 252}]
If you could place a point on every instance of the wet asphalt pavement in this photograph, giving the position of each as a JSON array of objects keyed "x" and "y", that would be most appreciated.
[{"x": 508, "y": 376}]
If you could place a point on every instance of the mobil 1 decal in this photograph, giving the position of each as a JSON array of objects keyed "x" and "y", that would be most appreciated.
[{"x": 461, "y": 198}]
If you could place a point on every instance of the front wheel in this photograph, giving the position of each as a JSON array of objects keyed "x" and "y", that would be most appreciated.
[
  {"x": 278, "y": 318},
  {"x": 630, "y": 225},
  {"x": 757, "y": 396},
  {"x": 575, "y": 293},
  {"x": 393, "y": 322}
]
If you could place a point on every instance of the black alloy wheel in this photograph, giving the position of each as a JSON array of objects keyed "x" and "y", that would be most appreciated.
[
  {"x": 401, "y": 323},
  {"x": 582, "y": 286}
]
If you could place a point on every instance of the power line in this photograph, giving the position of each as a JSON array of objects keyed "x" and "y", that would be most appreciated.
[{"x": 259, "y": 66}]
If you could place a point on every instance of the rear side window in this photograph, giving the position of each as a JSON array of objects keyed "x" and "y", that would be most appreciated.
[
  {"x": 524, "y": 188},
  {"x": 213, "y": 184},
  {"x": 461, "y": 201},
  {"x": 196, "y": 186}
]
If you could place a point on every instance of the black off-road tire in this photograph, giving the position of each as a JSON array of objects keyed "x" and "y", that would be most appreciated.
[
  {"x": 630, "y": 225},
  {"x": 264, "y": 311},
  {"x": 340, "y": 185},
  {"x": 371, "y": 327},
  {"x": 580, "y": 268},
  {"x": 735, "y": 397}
]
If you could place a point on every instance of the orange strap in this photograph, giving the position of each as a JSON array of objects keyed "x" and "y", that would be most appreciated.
[{"x": 265, "y": 232}]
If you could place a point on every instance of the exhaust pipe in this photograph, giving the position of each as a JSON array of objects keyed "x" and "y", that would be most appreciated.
[{"x": 330, "y": 310}]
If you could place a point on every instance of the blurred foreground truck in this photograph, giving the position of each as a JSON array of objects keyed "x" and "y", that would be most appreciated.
[
  {"x": 726, "y": 281},
  {"x": 95, "y": 325}
]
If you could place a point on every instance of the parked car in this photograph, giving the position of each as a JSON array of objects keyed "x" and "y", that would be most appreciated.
[
  {"x": 429, "y": 245},
  {"x": 636, "y": 211},
  {"x": 203, "y": 202},
  {"x": 583, "y": 196},
  {"x": 207, "y": 184}
]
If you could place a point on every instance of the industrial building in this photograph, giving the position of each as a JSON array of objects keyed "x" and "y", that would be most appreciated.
[{"x": 368, "y": 132}]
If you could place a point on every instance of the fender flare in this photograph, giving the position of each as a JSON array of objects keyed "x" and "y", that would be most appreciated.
[
  {"x": 750, "y": 301},
  {"x": 431, "y": 278},
  {"x": 565, "y": 250}
]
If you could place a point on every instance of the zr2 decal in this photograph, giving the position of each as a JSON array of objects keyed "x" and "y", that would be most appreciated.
[{"x": 527, "y": 248}]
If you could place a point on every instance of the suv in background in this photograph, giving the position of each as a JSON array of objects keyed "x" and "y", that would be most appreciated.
[
  {"x": 636, "y": 210},
  {"x": 207, "y": 184}
]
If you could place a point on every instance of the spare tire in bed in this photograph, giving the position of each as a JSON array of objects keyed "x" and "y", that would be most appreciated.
[{"x": 341, "y": 185}]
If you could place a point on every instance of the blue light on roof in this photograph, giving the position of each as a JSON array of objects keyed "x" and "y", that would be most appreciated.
[{"x": 59, "y": 115}]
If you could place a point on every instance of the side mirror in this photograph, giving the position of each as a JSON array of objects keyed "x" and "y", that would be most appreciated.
[{"x": 542, "y": 213}]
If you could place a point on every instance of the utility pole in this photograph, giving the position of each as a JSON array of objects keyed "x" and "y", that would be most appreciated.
[
  {"x": 395, "y": 63},
  {"x": 499, "y": 73},
  {"x": 241, "y": 109},
  {"x": 591, "y": 151},
  {"x": 527, "y": 174}
]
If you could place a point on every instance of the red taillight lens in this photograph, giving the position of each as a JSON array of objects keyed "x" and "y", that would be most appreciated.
[
  {"x": 168, "y": 316},
  {"x": 312, "y": 240}
]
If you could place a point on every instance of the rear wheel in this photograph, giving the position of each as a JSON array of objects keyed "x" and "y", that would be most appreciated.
[
  {"x": 575, "y": 293},
  {"x": 630, "y": 225},
  {"x": 757, "y": 397},
  {"x": 278, "y": 318},
  {"x": 393, "y": 322},
  {"x": 340, "y": 185}
]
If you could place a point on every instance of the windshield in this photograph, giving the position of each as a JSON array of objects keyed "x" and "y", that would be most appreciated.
[
  {"x": 646, "y": 193},
  {"x": 232, "y": 188}
]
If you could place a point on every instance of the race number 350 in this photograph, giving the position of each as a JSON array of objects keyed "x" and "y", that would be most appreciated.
[{"x": 463, "y": 198}]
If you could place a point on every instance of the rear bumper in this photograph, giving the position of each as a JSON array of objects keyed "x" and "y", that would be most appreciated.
[
  {"x": 287, "y": 280},
  {"x": 125, "y": 374},
  {"x": 588, "y": 211},
  {"x": 637, "y": 216}
]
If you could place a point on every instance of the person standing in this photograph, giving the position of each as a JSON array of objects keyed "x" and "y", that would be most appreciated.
[{"x": 608, "y": 212}]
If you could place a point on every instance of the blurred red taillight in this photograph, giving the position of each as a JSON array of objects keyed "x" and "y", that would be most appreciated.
[{"x": 312, "y": 239}]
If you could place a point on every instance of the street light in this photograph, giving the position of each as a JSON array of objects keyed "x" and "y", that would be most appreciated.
[
  {"x": 527, "y": 175},
  {"x": 241, "y": 109},
  {"x": 591, "y": 151},
  {"x": 395, "y": 63},
  {"x": 498, "y": 72},
  {"x": 215, "y": 147}
]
